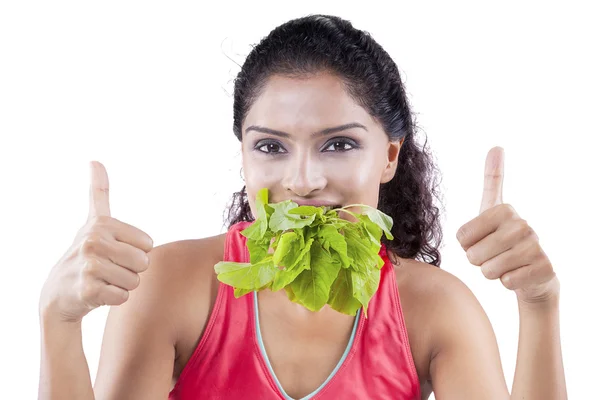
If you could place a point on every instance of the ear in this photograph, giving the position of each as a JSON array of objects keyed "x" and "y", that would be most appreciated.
[{"x": 393, "y": 152}]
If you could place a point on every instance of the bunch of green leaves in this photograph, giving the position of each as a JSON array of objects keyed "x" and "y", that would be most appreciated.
[{"x": 312, "y": 253}]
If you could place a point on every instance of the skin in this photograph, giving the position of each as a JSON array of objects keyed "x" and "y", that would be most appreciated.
[{"x": 452, "y": 341}]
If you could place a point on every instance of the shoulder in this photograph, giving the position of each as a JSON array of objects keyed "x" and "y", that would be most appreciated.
[
  {"x": 183, "y": 274},
  {"x": 447, "y": 326},
  {"x": 433, "y": 298},
  {"x": 182, "y": 259}
]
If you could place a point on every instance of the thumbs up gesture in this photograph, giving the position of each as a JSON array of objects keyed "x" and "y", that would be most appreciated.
[
  {"x": 103, "y": 263},
  {"x": 504, "y": 245}
]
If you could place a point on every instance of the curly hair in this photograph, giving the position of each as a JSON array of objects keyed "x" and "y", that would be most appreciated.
[{"x": 326, "y": 43}]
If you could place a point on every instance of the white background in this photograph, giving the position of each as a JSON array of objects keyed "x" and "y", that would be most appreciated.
[{"x": 146, "y": 89}]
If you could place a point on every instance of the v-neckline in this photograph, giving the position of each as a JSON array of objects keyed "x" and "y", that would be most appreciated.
[{"x": 264, "y": 359}]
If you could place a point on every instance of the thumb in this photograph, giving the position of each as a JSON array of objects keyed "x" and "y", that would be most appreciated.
[
  {"x": 99, "y": 204},
  {"x": 493, "y": 179}
]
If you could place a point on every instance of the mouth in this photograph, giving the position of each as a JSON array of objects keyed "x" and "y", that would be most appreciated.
[{"x": 328, "y": 205}]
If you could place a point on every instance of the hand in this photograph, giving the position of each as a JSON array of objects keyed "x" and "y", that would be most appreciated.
[
  {"x": 101, "y": 266},
  {"x": 504, "y": 245}
]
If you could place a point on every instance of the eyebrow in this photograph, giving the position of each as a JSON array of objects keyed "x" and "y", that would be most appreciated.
[{"x": 326, "y": 131}]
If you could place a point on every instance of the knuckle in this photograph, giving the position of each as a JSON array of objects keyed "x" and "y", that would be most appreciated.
[
  {"x": 145, "y": 261},
  {"x": 91, "y": 268},
  {"x": 129, "y": 280},
  {"x": 148, "y": 240},
  {"x": 100, "y": 220},
  {"x": 138, "y": 261},
  {"x": 88, "y": 292},
  {"x": 546, "y": 270},
  {"x": 136, "y": 282},
  {"x": 488, "y": 272},
  {"x": 531, "y": 272},
  {"x": 115, "y": 296},
  {"x": 523, "y": 226},
  {"x": 508, "y": 209},
  {"x": 509, "y": 212},
  {"x": 508, "y": 282},
  {"x": 520, "y": 228},
  {"x": 463, "y": 233},
  {"x": 471, "y": 256},
  {"x": 91, "y": 244},
  {"x": 535, "y": 251}
]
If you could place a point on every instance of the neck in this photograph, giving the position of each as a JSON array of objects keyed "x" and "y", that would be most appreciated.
[{"x": 279, "y": 304}]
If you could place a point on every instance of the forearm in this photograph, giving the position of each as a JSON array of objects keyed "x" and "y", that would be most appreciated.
[
  {"x": 64, "y": 372},
  {"x": 539, "y": 372}
]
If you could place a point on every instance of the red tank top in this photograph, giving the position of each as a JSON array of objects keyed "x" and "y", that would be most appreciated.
[{"x": 230, "y": 361}]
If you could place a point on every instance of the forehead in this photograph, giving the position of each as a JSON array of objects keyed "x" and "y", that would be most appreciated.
[{"x": 294, "y": 104}]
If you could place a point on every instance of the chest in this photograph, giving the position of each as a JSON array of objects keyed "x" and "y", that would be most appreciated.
[{"x": 303, "y": 356}]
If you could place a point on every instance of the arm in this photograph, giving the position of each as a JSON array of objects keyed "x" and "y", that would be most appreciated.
[
  {"x": 64, "y": 370},
  {"x": 465, "y": 362},
  {"x": 539, "y": 373}
]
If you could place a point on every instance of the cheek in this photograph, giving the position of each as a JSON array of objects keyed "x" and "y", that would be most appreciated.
[
  {"x": 259, "y": 174},
  {"x": 357, "y": 175}
]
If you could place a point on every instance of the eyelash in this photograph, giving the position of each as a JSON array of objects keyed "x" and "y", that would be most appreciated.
[{"x": 350, "y": 142}]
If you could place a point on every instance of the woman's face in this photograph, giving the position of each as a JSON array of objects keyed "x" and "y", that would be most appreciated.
[{"x": 294, "y": 143}]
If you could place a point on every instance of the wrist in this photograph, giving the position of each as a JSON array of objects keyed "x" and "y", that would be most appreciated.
[
  {"x": 547, "y": 299},
  {"x": 51, "y": 318}
]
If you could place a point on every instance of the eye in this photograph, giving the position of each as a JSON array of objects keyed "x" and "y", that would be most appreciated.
[
  {"x": 271, "y": 147},
  {"x": 341, "y": 145}
]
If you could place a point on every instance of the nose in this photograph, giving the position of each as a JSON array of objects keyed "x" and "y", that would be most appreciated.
[{"x": 303, "y": 175}]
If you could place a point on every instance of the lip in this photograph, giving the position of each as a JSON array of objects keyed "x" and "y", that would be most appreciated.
[{"x": 316, "y": 203}]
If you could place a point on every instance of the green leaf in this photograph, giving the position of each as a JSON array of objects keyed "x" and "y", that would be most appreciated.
[
  {"x": 259, "y": 249},
  {"x": 384, "y": 221},
  {"x": 365, "y": 284},
  {"x": 302, "y": 262},
  {"x": 237, "y": 293},
  {"x": 312, "y": 286},
  {"x": 341, "y": 297},
  {"x": 371, "y": 229},
  {"x": 360, "y": 248},
  {"x": 330, "y": 237},
  {"x": 246, "y": 275},
  {"x": 306, "y": 210},
  {"x": 258, "y": 229},
  {"x": 285, "y": 245},
  {"x": 318, "y": 212},
  {"x": 290, "y": 294},
  {"x": 282, "y": 220}
]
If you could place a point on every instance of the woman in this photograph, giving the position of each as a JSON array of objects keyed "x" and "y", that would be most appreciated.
[{"x": 323, "y": 119}]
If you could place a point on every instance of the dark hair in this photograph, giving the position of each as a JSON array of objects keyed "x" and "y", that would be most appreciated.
[{"x": 325, "y": 43}]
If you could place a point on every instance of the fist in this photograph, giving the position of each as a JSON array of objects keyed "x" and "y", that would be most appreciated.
[
  {"x": 101, "y": 266},
  {"x": 504, "y": 245}
]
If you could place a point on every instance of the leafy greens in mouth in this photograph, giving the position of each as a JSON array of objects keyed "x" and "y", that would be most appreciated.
[{"x": 317, "y": 257}]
